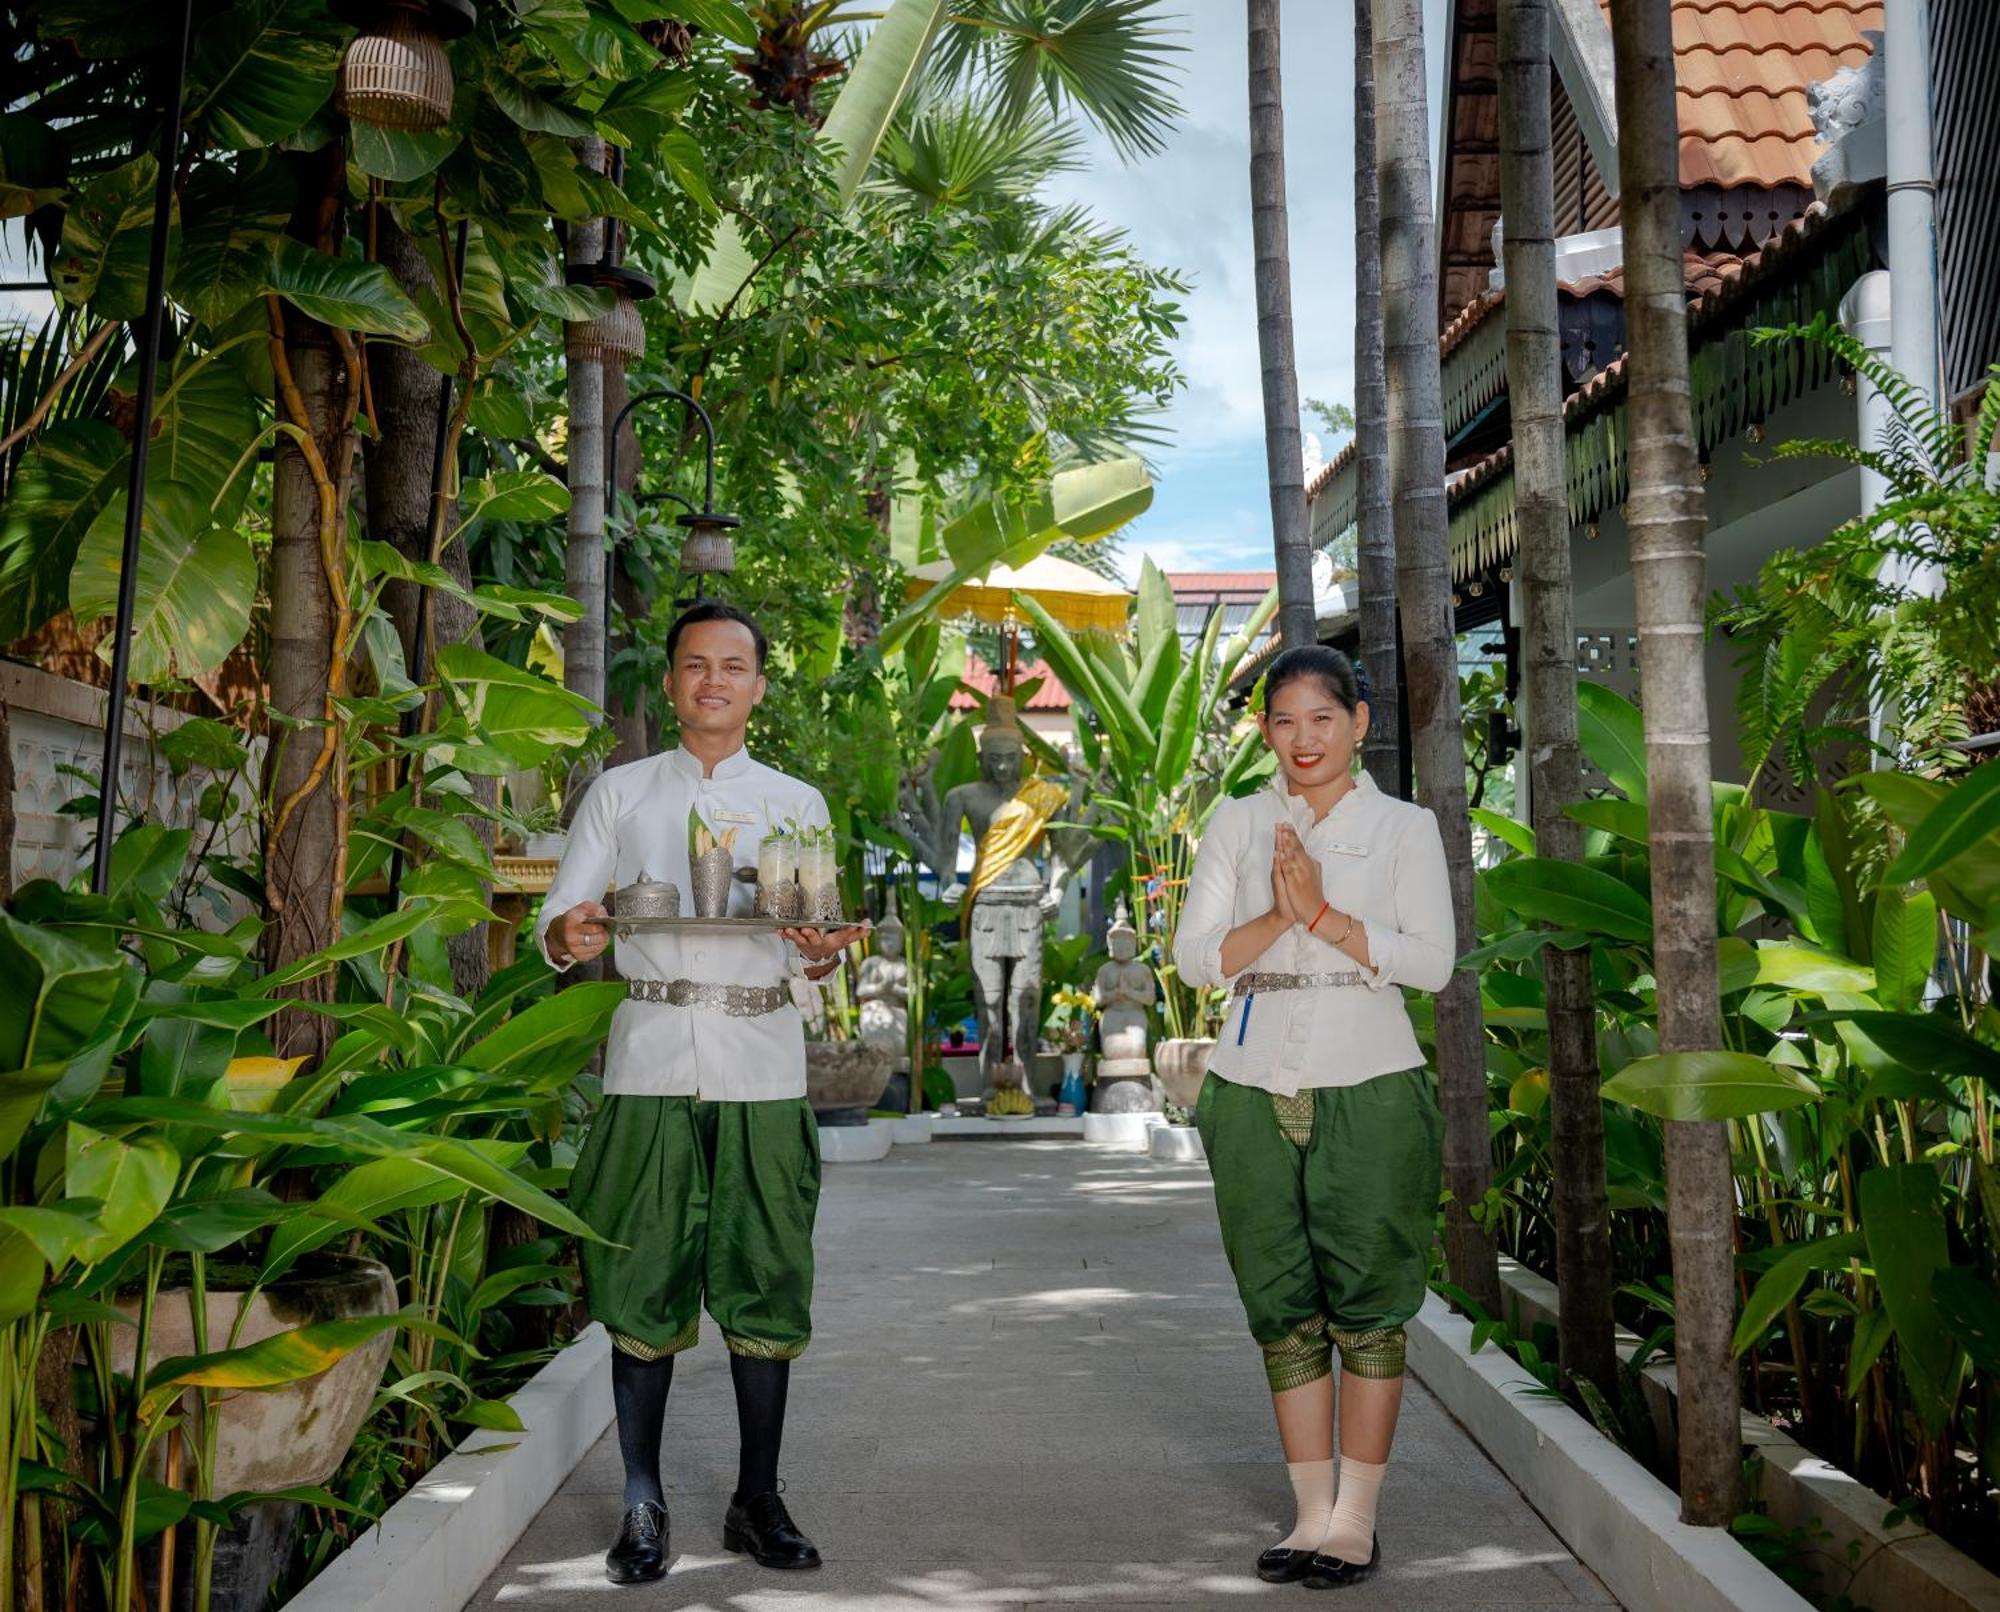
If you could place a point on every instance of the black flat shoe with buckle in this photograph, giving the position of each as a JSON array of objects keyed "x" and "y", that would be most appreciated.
[
  {"x": 639, "y": 1554},
  {"x": 763, "y": 1529},
  {"x": 1283, "y": 1565},
  {"x": 1331, "y": 1573}
]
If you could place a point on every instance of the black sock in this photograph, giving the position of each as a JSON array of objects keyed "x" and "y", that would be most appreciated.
[
  {"x": 639, "y": 1395},
  {"x": 760, "y": 1422}
]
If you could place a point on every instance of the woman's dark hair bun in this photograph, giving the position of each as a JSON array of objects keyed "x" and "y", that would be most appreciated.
[{"x": 1339, "y": 675}]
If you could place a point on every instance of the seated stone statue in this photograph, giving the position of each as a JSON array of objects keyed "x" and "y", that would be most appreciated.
[{"x": 884, "y": 991}]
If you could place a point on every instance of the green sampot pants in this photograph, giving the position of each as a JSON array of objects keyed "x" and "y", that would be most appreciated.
[
  {"x": 712, "y": 1203},
  {"x": 1328, "y": 1204}
]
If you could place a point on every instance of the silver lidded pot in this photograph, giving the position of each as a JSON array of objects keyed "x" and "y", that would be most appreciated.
[{"x": 648, "y": 897}]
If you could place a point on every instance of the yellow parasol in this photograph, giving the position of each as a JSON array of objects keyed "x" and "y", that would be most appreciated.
[{"x": 1076, "y": 596}]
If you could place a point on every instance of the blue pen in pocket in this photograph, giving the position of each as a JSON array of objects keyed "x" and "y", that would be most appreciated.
[{"x": 1243, "y": 1024}]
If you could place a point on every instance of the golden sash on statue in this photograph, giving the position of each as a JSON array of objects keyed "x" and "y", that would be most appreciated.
[{"x": 1015, "y": 831}]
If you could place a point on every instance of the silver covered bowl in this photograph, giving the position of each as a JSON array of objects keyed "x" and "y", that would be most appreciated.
[{"x": 648, "y": 897}]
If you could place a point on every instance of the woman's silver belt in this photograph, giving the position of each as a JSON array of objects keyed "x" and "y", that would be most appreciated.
[
  {"x": 1246, "y": 983},
  {"x": 738, "y": 1001}
]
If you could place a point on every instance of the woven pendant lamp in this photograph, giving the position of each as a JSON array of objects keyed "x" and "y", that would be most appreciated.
[{"x": 395, "y": 73}]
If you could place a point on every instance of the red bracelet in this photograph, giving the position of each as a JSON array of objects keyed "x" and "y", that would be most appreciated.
[{"x": 1324, "y": 908}]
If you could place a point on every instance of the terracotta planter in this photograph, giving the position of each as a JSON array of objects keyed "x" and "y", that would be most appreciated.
[
  {"x": 1181, "y": 1066},
  {"x": 844, "y": 1078},
  {"x": 278, "y": 1438}
]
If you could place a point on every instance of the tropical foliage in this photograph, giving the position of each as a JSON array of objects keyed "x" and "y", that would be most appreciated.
[{"x": 1856, "y": 1081}]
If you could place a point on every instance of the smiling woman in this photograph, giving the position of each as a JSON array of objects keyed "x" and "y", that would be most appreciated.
[{"x": 1309, "y": 901}]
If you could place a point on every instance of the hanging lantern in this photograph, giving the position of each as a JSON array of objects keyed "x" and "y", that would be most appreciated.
[
  {"x": 707, "y": 549},
  {"x": 395, "y": 74},
  {"x": 616, "y": 337}
]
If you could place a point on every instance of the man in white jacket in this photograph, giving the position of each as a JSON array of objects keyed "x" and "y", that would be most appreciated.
[{"x": 701, "y": 1170}]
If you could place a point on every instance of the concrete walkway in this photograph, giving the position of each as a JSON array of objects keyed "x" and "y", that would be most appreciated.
[{"x": 1031, "y": 1385}]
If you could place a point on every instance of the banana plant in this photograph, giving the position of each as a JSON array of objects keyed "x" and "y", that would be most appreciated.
[{"x": 1151, "y": 727}]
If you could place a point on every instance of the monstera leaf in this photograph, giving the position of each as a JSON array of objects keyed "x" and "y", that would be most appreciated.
[
  {"x": 234, "y": 217},
  {"x": 256, "y": 76},
  {"x": 195, "y": 585},
  {"x": 61, "y": 485},
  {"x": 105, "y": 239},
  {"x": 344, "y": 292}
]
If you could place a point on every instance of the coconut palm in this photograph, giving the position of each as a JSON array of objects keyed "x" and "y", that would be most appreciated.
[
  {"x": 1541, "y": 504},
  {"x": 1284, "y": 459},
  {"x": 1375, "y": 539},
  {"x": 1666, "y": 524},
  {"x": 1423, "y": 591}
]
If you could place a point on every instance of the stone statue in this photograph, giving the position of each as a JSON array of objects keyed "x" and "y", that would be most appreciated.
[
  {"x": 884, "y": 991},
  {"x": 1126, "y": 991},
  {"x": 1008, "y": 900}
]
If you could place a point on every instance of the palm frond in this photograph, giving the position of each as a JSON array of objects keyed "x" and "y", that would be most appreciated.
[
  {"x": 953, "y": 152},
  {"x": 1111, "y": 60}
]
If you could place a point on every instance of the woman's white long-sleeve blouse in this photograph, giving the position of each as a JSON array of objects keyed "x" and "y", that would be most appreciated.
[
  {"x": 635, "y": 820},
  {"x": 1382, "y": 860}
]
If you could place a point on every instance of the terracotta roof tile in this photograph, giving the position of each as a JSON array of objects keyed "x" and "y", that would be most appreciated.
[
  {"x": 1742, "y": 68},
  {"x": 1258, "y": 582},
  {"x": 1051, "y": 696}
]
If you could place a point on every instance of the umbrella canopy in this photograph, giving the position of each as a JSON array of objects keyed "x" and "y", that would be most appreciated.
[{"x": 1076, "y": 596}]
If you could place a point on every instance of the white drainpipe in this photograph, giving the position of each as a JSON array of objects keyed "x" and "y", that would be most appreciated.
[
  {"x": 1912, "y": 194},
  {"x": 1867, "y": 313}
]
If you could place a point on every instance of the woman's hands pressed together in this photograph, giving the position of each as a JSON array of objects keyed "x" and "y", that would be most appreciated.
[{"x": 1298, "y": 871}]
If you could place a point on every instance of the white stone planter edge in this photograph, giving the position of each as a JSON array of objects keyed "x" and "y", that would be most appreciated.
[
  {"x": 1908, "y": 1567},
  {"x": 434, "y": 1547},
  {"x": 1619, "y": 1520}
]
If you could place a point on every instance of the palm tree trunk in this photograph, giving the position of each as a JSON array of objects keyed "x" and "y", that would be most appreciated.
[
  {"x": 1284, "y": 454},
  {"x": 1423, "y": 590},
  {"x": 1541, "y": 516},
  {"x": 398, "y": 464},
  {"x": 1666, "y": 527},
  {"x": 305, "y": 786},
  {"x": 583, "y": 566},
  {"x": 1375, "y": 545}
]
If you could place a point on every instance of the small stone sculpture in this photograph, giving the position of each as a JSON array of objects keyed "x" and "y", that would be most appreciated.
[
  {"x": 1125, "y": 991},
  {"x": 884, "y": 991}
]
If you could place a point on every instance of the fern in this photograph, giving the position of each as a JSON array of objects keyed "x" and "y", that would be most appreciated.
[{"x": 1898, "y": 608}]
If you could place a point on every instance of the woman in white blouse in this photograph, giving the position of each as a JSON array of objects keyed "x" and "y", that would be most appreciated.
[{"x": 1313, "y": 901}]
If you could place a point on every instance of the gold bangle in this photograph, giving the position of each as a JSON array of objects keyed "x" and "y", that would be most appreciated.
[{"x": 1347, "y": 931}]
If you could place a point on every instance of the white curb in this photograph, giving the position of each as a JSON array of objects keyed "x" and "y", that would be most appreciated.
[
  {"x": 1620, "y": 1521},
  {"x": 434, "y": 1547},
  {"x": 855, "y": 1144}
]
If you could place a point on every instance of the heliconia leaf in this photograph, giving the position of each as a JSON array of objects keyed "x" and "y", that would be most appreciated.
[
  {"x": 1781, "y": 1283},
  {"x": 1905, "y": 945},
  {"x": 284, "y": 1357},
  {"x": 1902, "y": 1214},
  {"x": 1709, "y": 1086},
  {"x": 1571, "y": 896},
  {"x": 1613, "y": 736},
  {"x": 1967, "y": 815}
]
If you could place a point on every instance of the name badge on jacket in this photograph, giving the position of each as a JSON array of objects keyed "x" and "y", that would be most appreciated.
[{"x": 721, "y": 816}]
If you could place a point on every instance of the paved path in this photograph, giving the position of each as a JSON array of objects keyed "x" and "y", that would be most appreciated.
[{"x": 1031, "y": 1386}]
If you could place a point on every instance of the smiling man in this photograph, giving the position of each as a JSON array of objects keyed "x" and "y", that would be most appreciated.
[{"x": 702, "y": 1167}]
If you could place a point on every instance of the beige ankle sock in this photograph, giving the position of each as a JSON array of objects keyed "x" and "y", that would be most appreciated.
[
  {"x": 1350, "y": 1532},
  {"x": 1312, "y": 1489}
]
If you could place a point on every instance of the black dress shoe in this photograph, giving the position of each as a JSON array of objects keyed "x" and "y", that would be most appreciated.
[
  {"x": 1283, "y": 1565},
  {"x": 764, "y": 1529},
  {"x": 1331, "y": 1573},
  {"x": 639, "y": 1554}
]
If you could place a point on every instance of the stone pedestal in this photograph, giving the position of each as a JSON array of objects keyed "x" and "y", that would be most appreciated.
[
  {"x": 856, "y": 1144},
  {"x": 1124, "y": 1086},
  {"x": 1177, "y": 1144}
]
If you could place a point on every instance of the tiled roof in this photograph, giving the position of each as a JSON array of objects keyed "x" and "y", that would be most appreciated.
[
  {"x": 1742, "y": 67},
  {"x": 1051, "y": 696},
  {"x": 1257, "y": 582}
]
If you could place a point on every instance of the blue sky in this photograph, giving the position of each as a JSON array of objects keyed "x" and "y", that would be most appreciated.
[{"x": 1189, "y": 208}]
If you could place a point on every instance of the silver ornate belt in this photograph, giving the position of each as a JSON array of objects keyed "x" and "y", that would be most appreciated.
[
  {"x": 1246, "y": 983},
  {"x": 738, "y": 1001}
]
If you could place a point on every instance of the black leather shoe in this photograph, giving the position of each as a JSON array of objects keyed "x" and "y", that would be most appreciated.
[
  {"x": 764, "y": 1529},
  {"x": 1331, "y": 1573},
  {"x": 639, "y": 1554},
  {"x": 1283, "y": 1565}
]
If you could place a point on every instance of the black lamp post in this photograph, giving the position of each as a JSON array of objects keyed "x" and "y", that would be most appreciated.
[
  {"x": 707, "y": 547},
  {"x": 135, "y": 488}
]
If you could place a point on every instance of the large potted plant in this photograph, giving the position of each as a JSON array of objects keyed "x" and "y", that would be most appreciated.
[{"x": 844, "y": 1074}]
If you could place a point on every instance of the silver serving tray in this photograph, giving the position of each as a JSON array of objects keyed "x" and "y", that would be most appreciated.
[{"x": 622, "y": 927}]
